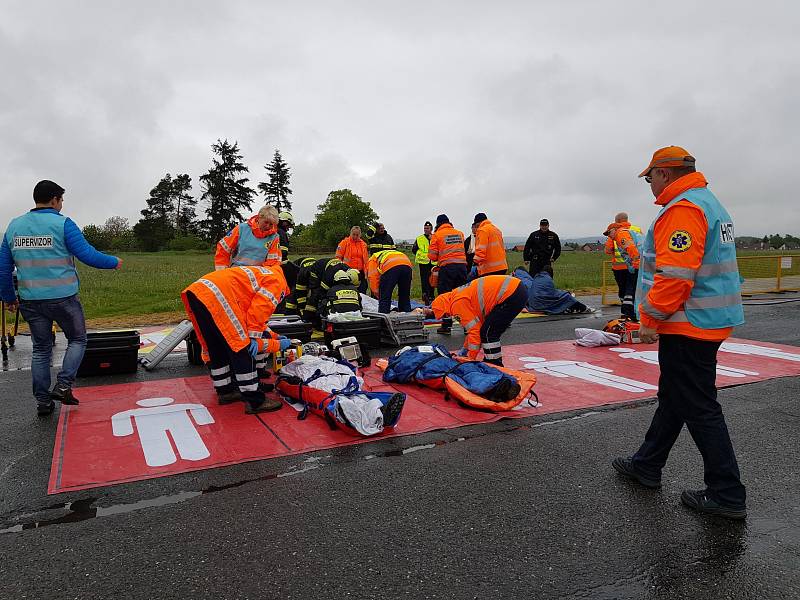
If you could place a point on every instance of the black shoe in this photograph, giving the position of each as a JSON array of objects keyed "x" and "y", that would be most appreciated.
[
  {"x": 44, "y": 410},
  {"x": 63, "y": 394},
  {"x": 268, "y": 405},
  {"x": 624, "y": 466},
  {"x": 699, "y": 500},
  {"x": 265, "y": 387},
  {"x": 391, "y": 411},
  {"x": 228, "y": 398}
]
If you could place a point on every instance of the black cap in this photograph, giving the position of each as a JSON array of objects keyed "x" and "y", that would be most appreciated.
[
  {"x": 46, "y": 190},
  {"x": 479, "y": 218},
  {"x": 441, "y": 219},
  {"x": 428, "y": 223},
  {"x": 544, "y": 222}
]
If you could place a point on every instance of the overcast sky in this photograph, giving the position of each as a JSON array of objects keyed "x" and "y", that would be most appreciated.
[{"x": 520, "y": 109}]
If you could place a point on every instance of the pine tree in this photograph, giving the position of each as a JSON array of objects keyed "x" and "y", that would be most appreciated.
[
  {"x": 185, "y": 204},
  {"x": 277, "y": 191},
  {"x": 224, "y": 190}
]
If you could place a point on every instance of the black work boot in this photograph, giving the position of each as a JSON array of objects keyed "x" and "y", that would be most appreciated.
[
  {"x": 228, "y": 398},
  {"x": 700, "y": 501},
  {"x": 63, "y": 393},
  {"x": 44, "y": 410},
  {"x": 446, "y": 326},
  {"x": 624, "y": 466},
  {"x": 391, "y": 411}
]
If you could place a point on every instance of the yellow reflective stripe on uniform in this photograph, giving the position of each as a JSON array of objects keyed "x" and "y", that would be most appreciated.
[
  {"x": 225, "y": 306},
  {"x": 300, "y": 287}
]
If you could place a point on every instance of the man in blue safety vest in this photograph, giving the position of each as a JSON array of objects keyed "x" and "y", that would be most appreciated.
[{"x": 42, "y": 244}]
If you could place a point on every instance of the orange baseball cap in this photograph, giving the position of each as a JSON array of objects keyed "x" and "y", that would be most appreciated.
[{"x": 671, "y": 156}]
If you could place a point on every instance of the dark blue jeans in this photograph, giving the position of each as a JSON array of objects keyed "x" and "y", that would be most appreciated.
[
  {"x": 399, "y": 276},
  {"x": 687, "y": 394},
  {"x": 451, "y": 277},
  {"x": 40, "y": 314}
]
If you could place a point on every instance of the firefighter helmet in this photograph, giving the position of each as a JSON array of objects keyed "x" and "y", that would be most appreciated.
[{"x": 286, "y": 216}]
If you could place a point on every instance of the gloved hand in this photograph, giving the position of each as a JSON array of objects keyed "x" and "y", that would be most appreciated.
[
  {"x": 285, "y": 342},
  {"x": 252, "y": 349},
  {"x": 462, "y": 352},
  {"x": 282, "y": 337}
]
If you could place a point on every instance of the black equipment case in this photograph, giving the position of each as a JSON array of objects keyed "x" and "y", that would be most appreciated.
[
  {"x": 292, "y": 327},
  {"x": 367, "y": 331},
  {"x": 110, "y": 353}
]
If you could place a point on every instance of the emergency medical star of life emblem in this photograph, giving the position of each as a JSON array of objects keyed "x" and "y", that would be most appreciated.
[{"x": 680, "y": 241}]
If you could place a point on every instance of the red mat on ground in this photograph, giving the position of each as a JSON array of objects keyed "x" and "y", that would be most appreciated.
[{"x": 135, "y": 431}]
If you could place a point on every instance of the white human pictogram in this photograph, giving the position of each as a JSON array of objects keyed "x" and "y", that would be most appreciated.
[
  {"x": 586, "y": 372},
  {"x": 753, "y": 350},
  {"x": 157, "y": 422},
  {"x": 651, "y": 358}
]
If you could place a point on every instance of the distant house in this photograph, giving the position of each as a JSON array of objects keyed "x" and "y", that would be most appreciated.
[
  {"x": 518, "y": 248},
  {"x": 592, "y": 247}
]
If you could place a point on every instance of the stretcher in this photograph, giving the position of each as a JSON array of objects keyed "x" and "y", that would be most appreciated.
[{"x": 181, "y": 332}]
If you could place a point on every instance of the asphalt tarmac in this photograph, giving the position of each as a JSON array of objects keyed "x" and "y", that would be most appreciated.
[{"x": 524, "y": 508}]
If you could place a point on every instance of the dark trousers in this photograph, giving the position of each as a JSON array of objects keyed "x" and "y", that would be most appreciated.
[
  {"x": 229, "y": 370},
  {"x": 687, "y": 394},
  {"x": 497, "y": 321},
  {"x": 427, "y": 288},
  {"x": 499, "y": 272},
  {"x": 310, "y": 312},
  {"x": 537, "y": 264},
  {"x": 626, "y": 289},
  {"x": 362, "y": 282},
  {"x": 451, "y": 277},
  {"x": 399, "y": 276}
]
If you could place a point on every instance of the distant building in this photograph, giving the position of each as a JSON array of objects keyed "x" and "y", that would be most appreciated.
[
  {"x": 592, "y": 247},
  {"x": 518, "y": 248}
]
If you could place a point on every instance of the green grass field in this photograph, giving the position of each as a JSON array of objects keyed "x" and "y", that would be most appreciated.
[{"x": 147, "y": 288}]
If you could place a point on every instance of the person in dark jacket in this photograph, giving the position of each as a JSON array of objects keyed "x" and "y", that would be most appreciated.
[
  {"x": 343, "y": 295},
  {"x": 469, "y": 247},
  {"x": 378, "y": 240},
  {"x": 43, "y": 244},
  {"x": 313, "y": 282},
  {"x": 285, "y": 223},
  {"x": 542, "y": 248}
]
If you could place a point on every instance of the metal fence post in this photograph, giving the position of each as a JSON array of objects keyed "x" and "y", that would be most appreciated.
[{"x": 778, "y": 276}]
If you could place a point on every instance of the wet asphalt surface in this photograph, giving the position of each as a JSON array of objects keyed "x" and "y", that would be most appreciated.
[{"x": 523, "y": 508}]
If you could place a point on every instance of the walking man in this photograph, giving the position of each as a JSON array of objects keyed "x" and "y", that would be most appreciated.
[
  {"x": 690, "y": 302},
  {"x": 42, "y": 244},
  {"x": 622, "y": 245}
]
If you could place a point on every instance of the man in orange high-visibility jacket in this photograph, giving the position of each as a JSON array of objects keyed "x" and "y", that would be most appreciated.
[
  {"x": 447, "y": 249},
  {"x": 690, "y": 294},
  {"x": 230, "y": 309},
  {"x": 490, "y": 250},
  {"x": 386, "y": 270},
  {"x": 486, "y": 307},
  {"x": 352, "y": 251},
  {"x": 255, "y": 242},
  {"x": 625, "y": 260}
]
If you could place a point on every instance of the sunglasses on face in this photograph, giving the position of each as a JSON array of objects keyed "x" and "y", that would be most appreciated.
[{"x": 648, "y": 179}]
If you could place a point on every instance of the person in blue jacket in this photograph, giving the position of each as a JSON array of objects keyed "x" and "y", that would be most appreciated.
[
  {"x": 42, "y": 245},
  {"x": 544, "y": 296}
]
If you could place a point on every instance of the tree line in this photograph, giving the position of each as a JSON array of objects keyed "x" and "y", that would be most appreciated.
[{"x": 170, "y": 220}]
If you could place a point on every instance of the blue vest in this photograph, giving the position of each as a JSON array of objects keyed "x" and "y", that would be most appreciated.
[
  {"x": 45, "y": 268},
  {"x": 715, "y": 301},
  {"x": 251, "y": 250}
]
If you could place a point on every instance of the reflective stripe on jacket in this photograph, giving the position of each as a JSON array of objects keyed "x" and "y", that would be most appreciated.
[
  {"x": 622, "y": 243},
  {"x": 447, "y": 246},
  {"x": 490, "y": 250},
  {"x": 45, "y": 267},
  {"x": 472, "y": 302},
  {"x": 353, "y": 254},
  {"x": 247, "y": 245},
  {"x": 241, "y": 301},
  {"x": 688, "y": 278},
  {"x": 380, "y": 262}
]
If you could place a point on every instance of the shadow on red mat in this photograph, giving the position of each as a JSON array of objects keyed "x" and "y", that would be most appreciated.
[{"x": 128, "y": 432}]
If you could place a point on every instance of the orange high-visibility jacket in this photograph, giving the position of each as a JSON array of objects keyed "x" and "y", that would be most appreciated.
[
  {"x": 619, "y": 242},
  {"x": 490, "y": 250},
  {"x": 669, "y": 294},
  {"x": 382, "y": 261},
  {"x": 447, "y": 246},
  {"x": 472, "y": 302},
  {"x": 353, "y": 254},
  {"x": 241, "y": 300},
  {"x": 226, "y": 246}
]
